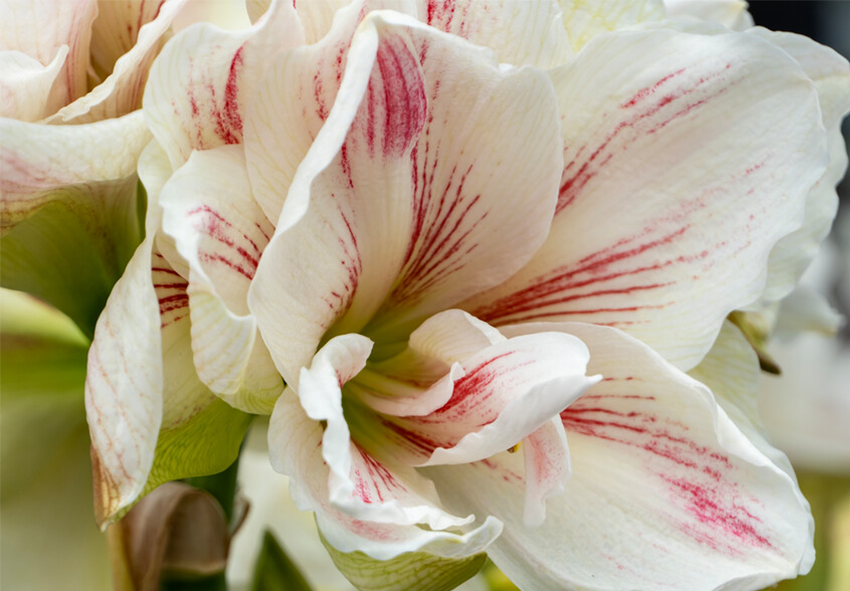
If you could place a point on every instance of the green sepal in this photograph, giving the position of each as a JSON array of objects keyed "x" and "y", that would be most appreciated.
[
  {"x": 275, "y": 571},
  {"x": 206, "y": 444},
  {"x": 412, "y": 571}
]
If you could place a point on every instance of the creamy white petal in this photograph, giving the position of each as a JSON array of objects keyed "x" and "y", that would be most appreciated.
[
  {"x": 39, "y": 161},
  {"x": 364, "y": 481},
  {"x": 520, "y": 32},
  {"x": 665, "y": 491},
  {"x": 547, "y": 469},
  {"x": 295, "y": 444},
  {"x": 585, "y": 19},
  {"x": 194, "y": 99},
  {"x": 453, "y": 336},
  {"x": 221, "y": 232},
  {"x": 506, "y": 392},
  {"x": 25, "y": 84},
  {"x": 421, "y": 378},
  {"x": 669, "y": 208},
  {"x": 124, "y": 388},
  {"x": 141, "y": 30},
  {"x": 290, "y": 105},
  {"x": 151, "y": 419},
  {"x": 732, "y": 14},
  {"x": 731, "y": 370},
  {"x": 400, "y": 204},
  {"x": 831, "y": 75},
  {"x": 317, "y": 17},
  {"x": 24, "y": 28},
  {"x": 68, "y": 210}
]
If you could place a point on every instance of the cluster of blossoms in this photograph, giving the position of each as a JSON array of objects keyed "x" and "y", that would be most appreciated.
[{"x": 475, "y": 259}]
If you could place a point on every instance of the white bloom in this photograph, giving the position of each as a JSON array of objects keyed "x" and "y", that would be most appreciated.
[{"x": 382, "y": 214}]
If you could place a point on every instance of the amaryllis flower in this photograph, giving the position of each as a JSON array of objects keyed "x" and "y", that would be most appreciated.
[
  {"x": 187, "y": 304},
  {"x": 72, "y": 74},
  {"x": 481, "y": 283}
]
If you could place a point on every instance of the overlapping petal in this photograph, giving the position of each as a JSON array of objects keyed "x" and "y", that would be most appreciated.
[
  {"x": 731, "y": 370},
  {"x": 138, "y": 31},
  {"x": 334, "y": 178},
  {"x": 521, "y": 33},
  {"x": 68, "y": 209},
  {"x": 195, "y": 99},
  {"x": 361, "y": 484},
  {"x": 221, "y": 231},
  {"x": 26, "y": 84},
  {"x": 731, "y": 14},
  {"x": 830, "y": 74},
  {"x": 296, "y": 446},
  {"x": 506, "y": 392},
  {"x": 664, "y": 120},
  {"x": 290, "y": 105},
  {"x": 585, "y": 19},
  {"x": 65, "y": 36},
  {"x": 151, "y": 419},
  {"x": 503, "y": 393},
  {"x": 403, "y": 205},
  {"x": 697, "y": 505}
]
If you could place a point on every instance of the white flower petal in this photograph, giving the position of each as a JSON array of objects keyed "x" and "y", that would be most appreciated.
[
  {"x": 361, "y": 484},
  {"x": 68, "y": 210},
  {"x": 731, "y": 370},
  {"x": 291, "y": 103},
  {"x": 420, "y": 379},
  {"x": 508, "y": 391},
  {"x": 520, "y": 32},
  {"x": 732, "y": 14},
  {"x": 547, "y": 469},
  {"x": 407, "y": 207},
  {"x": 194, "y": 100},
  {"x": 24, "y": 28},
  {"x": 150, "y": 417},
  {"x": 712, "y": 143},
  {"x": 453, "y": 336},
  {"x": 831, "y": 75},
  {"x": 665, "y": 491},
  {"x": 141, "y": 32},
  {"x": 219, "y": 229},
  {"x": 124, "y": 388},
  {"x": 295, "y": 444},
  {"x": 116, "y": 30},
  {"x": 25, "y": 84},
  {"x": 39, "y": 161},
  {"x": 585, "y": 19},
  {"x": 317, "y": 17}
]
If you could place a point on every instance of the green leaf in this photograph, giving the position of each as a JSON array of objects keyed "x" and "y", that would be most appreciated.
[
  {"x": 413, "y": 571},
  {"x": 275, "y": 571}
]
